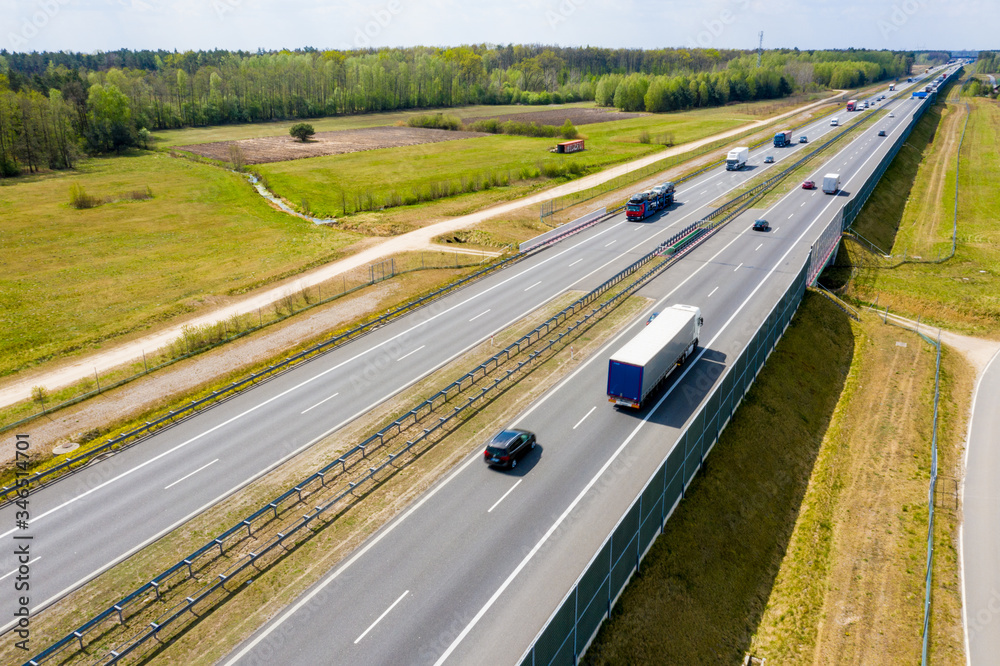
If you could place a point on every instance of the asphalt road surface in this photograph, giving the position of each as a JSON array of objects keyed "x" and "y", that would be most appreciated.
[
  {"x": 480, "y": 561},
  {"x": 980, "y": 539},
  {"x": 93, "y": 519}
]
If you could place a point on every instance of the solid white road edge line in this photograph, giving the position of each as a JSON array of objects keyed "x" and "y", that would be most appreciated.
[
  {"x": 305, "y": 446},
  {"x": 600, "y": 472},
  {"x": 504, "y": 496},
  {"x": 358, "y": 639},
  {"x": 961, "y": 527},
  {"x": 393, "y": 525},
  {"x": 321, "y": 374},
  {"x": 472, "y": 457},
  {"x": 191, "y": 474},
  {"x": 336, "y": 427}
]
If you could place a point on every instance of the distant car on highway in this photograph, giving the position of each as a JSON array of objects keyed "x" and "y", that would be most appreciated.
[
  {"x": 761, "y": 225},
  {"x": 769, "y": 159},
  {"x": 651, "y": 318},
  {"x": 803, "y": 139},
  {"x": 892, "y": 115},
  {"x": 881, "y": 132},
  {"x": 507, "y": 446},
  {"x": 808, "y": 185}
]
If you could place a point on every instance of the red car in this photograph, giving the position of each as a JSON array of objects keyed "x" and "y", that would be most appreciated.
[{"x": 808, "y": 185}]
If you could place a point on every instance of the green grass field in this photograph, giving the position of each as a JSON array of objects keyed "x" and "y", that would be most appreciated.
[
  {"x": 964, "y": 292},
  {"x": 379, "y": 173},
  {"x": 190, "y": 135},
  {"x": 74, "y": 278}
]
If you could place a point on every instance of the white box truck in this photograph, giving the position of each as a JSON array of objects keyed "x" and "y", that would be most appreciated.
[
  {"x": 834, "y": 122},
  {"x": 737, "y": 158},
  {"x": 831, "y": 183},
  {"x": 645, "y": 360}
]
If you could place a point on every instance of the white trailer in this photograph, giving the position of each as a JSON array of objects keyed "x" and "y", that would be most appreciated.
[
  {"x": 831, "y": 183},
  {"x": 643, "y": 362}
]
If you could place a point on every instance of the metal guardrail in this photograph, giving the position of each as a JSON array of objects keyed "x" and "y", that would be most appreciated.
[
  {"x": 901, "y": 322},
  {"x": 40, "y": 478},
  {"x": 6, "y": 492},
  {"x": 932, "y": 489},
  {"x": 350, "y": 460},
  {"x": 564, "y": 230},
  {"x": 679, "y": 243}
]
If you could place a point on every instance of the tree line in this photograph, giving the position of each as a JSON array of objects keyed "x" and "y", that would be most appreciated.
[
  {"x": 52, "y": 105},
  {"x": 988, "y": 62}
]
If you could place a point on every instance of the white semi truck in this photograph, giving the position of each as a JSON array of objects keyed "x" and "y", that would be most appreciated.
[{"x": 645, "y": 360}]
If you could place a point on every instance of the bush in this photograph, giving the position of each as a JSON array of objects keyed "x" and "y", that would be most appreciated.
[
  {"x": 665, "y": 138},
  {"x": 302, "y": 131},
  {"x": 78, "y": 197},
  {"x": 494, "y": 126},
  {"x": 568, "y": 131},
  {"x": 644, "y": 136},
  {"x": 435, "y": 121},
  {"x": 8, "y": 168}
]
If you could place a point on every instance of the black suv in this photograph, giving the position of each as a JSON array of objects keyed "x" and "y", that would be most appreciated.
[{"x": 508, "y": 445}]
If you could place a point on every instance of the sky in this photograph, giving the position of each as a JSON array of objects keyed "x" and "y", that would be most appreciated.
[{"x": 105, "y": 25}]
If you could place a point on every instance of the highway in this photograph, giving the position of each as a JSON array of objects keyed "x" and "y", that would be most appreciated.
[
  {"x": 980, "y": 539},
  {"x": 93, "y": 519},
  {"x": 507, "y": 546}
]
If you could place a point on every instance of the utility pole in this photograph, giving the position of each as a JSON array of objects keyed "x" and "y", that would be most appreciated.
[{"x": 760, "y": 48}]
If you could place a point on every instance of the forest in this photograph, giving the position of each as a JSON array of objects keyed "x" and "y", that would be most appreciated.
[{"x": 55, "y": 107}]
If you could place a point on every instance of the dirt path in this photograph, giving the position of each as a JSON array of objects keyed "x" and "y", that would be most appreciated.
[
  {"x": 19, "y": 388},
  {"x": 977, "y": 351}
]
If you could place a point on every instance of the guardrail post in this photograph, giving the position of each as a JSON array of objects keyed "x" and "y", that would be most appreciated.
[
  {"x": 218, "y": 542},
  {"x": 156, "y": 588},
  {"x": 79, "y": 637},
  {"x": 121, "y": 619},
  {"x": 274, "y": 505},
  {"x": 190, "y": 572}
]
